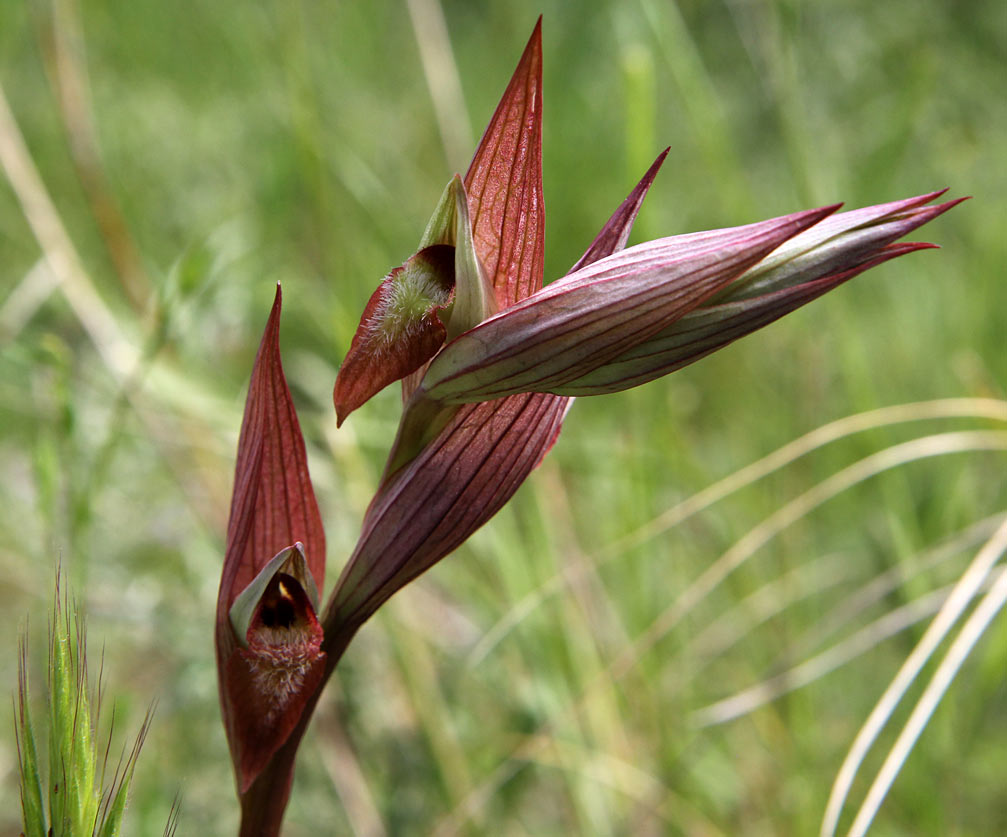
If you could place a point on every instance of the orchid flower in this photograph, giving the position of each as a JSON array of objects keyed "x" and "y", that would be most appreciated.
[
  {"x": 490, "y": 360},
  {"x": 268, "y": 637},
  {"x": 486, "y": 388}
]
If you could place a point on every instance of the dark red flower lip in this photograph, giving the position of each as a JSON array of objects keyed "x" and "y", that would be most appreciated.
[{"x": 288, "y": 566}]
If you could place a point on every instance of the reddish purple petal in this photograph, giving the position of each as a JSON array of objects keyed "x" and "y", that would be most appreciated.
[
  {"x": 837, "y": 243},
  {"x": 504, "y": 184},
  {"x": 273, "y": 507},
  {"x": 804, "y": 268},
  {"x": 708, "y": 329},
  {"x": 615, "y": 233},
  {"x": 590, "y": 317},
  {"x": 457, "y": 483}
]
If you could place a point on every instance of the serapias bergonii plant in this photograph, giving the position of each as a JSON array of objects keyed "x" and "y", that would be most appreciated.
[{"x": 490, "y": 361}]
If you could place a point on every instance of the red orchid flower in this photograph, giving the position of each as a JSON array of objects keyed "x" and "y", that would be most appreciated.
[
  {"x": 485, "y": 373},
  {"x": 268, "y": 638},
  {"x": 489, "y": 361},
  {"x": 474, "y": 458}
]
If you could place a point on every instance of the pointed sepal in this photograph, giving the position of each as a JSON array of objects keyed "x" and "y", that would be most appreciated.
[
  {"x": 274, "y": 524},
  {"x": 613, "y": 236},
  {"x": 801, "y": 270},
  {"x": 589, "y": 317},
  {"x": 504, "y": 184}
]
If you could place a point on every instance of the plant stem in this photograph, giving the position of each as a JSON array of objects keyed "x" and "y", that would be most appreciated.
[{"x": 264, "y": 803}]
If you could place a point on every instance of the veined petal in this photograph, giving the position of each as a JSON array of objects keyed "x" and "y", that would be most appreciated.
[
  {"x": 454, "y": 485},
  {"x": 592, "y": 316},
  {"x": 709, "y": 328},
  {"x": 504, "y": 184},
  {"x": 839, "y": 242},
  {"x": 273, "y": 508},
  {"x": 762, "y": 295},
  {"x": 840, "y": 223},
  {"x": 615, "y": 233},
  {"x": 273, "y": 504}
]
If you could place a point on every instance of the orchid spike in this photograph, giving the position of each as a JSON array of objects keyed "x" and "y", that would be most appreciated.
[
  {"x": 268, "y": 638},
  {"x": 483, "y": 410},
  {"x": 489, "y": 362}
]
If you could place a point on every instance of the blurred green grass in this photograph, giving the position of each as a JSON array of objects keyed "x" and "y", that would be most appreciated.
[{"x": 245, "y": 143}]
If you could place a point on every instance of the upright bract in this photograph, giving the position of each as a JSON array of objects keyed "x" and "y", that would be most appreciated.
[{"x": 268, "y": 638}]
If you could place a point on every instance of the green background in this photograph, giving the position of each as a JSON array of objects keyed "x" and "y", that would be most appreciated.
[{"x": 197, "y": 153}]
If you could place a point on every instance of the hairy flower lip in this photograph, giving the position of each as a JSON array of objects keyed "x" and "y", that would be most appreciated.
[
  {"x": 278, "y": 664},
  {"x": 281, "y": 666},
  {"x": 400, "y": 329},
  {"x": 491, "y": 265},
  {"x": 285, "y": 623},
  {"x": 438, "y": 293}
]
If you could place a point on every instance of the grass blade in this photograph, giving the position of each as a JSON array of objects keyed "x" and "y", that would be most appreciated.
[
  {"x": 959, "y": 651},
  {"x": 962, "y": 594},
  {"x": 32, "y": 807}
]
